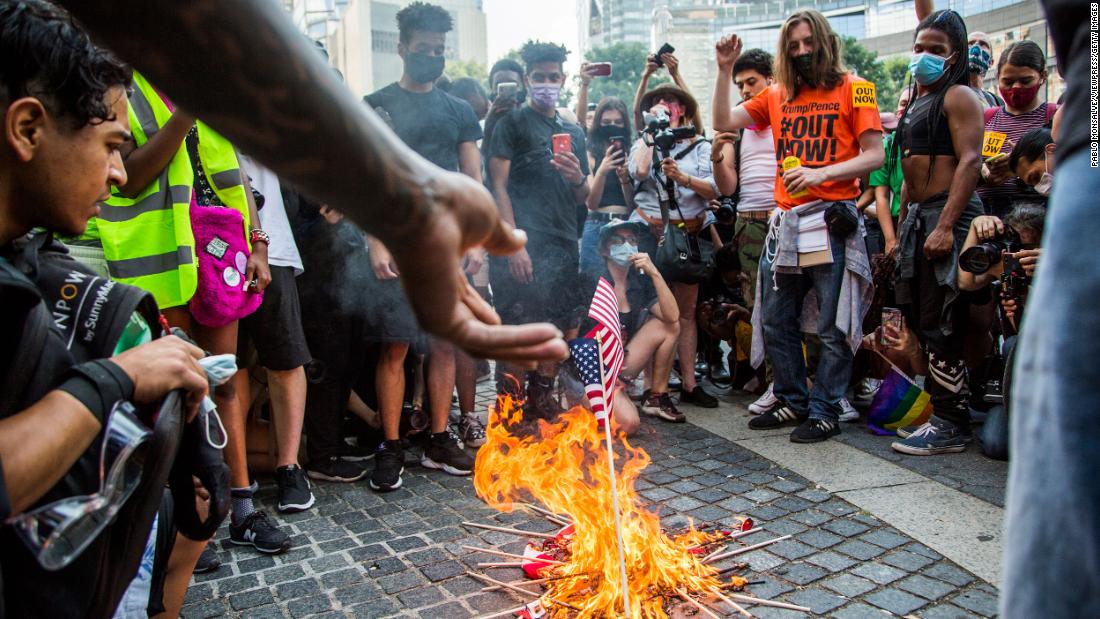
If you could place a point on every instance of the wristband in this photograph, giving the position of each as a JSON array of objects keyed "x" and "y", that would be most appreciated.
[
  {"x": 577, "y": 185},
  {"x": 98, "y": 385},
  {"x": 259, "y": 236}
]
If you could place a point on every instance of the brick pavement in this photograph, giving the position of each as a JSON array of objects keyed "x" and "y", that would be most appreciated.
[{"x": 362, "y": 554}]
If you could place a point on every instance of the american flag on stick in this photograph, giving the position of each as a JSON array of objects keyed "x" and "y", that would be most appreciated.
[{"x": 599, "y": 381}]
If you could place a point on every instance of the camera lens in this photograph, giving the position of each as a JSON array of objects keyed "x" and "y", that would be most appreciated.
[{"x": 979, "y": 259}]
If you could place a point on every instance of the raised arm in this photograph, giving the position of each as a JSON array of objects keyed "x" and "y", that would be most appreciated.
[
  {"x": 145, "y": 163},
  {"x": 723, "y": 116},
  {"x": 582, "y": 97},
  {"x": 924, "y": 8},
  {"x": 258, "y": 81},
  {"x": 643, "y": 85}
]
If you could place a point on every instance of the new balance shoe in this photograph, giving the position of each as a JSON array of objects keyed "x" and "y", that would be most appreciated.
[
  {"x": 660, "y": 405},
  {"x": 470, "y": 430},
  {"x": 765, "y": 402},
  {"x": 445, "y": 453},
  {"x": 699, "y": 398},
  {"x": 779, "y": 416},
  {"x": 259, "y": 531},
  {"x": 337, "y": 469},
  {"x": 815, "y": 431},
  {"x": 847, "y": 411},
  {"x": 933, "y": 438},
  {"x": 389, "y": 464},
  {"x": 295, "y": 494}
]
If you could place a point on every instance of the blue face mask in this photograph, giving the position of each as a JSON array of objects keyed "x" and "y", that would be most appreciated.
[
  {"x": 620, "y": 254},
  {"x": 927, "y": 68}
]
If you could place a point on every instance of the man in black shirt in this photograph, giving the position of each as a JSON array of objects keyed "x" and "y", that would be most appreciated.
[
  {"x": 537, "y": 188},
  {"x": 1050, "y": 565},
  {"x": 444, "y": 130}
]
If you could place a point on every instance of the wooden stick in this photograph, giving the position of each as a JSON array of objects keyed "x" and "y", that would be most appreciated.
[
  {"x": 716, "y": 552},
  {"x": 726, "y": 538},
  {"x": 760, "y": 602},
  {"x": 503, "y": 613},
  {"x": 538, "y": 581},
  {"x": 734, "y": 553},
  {"x": 501, "y": 553},
  {"x": 702, "y": 609},
  {"x": 518, "y": 590},
  {"x": 735, "y": 605},
  {"x": 514, "y": 564},
  {"x": 551, "y": 515},
  {"x": 507, "y": 530}
]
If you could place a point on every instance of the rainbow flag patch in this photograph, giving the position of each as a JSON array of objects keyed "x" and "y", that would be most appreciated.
[{"x": 898, "y": 403}]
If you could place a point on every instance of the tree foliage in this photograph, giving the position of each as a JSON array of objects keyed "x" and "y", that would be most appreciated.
[
  {"x": 456, "y": 69},
  {"x": 867, "y": 65}
]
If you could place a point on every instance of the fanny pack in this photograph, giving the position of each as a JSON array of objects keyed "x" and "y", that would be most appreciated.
[
  {"x": 222, "y": 294},
  {"x": 840, "y": 219}
]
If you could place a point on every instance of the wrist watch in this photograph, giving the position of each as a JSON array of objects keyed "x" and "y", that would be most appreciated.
[{"x": 256, "y": 235}]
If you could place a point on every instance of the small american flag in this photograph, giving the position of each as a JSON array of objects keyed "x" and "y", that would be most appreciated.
[
  {"x": 586, "y": 358},
  {"x": 605, "y": 311}
]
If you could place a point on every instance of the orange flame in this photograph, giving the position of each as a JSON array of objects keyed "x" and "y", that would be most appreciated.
[{"x": 564, "y": 467}]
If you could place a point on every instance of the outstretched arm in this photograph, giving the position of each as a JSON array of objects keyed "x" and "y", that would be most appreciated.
[
  {"x": 725, "y": 118},
  {"x": 262, "y": 84}
]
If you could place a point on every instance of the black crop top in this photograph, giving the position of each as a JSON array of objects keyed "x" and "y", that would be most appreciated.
[{"x": 913, "y": 133}]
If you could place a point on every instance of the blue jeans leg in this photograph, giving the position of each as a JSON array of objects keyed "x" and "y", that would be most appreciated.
[
  {"x": 590, "y": 251},
  {"x": 834, "y": 371},
  {"x": 781, "y": 303}
]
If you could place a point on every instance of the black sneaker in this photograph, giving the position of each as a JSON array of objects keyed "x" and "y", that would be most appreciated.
[
  {"x": 337, "y": 469},
  {"x": 294, "y": 492},
  {"x": 966, "y": 433},
  {"x": 445, "y": 453},
  {"x": 258, "y": 530},
  {"x": 777, "y": 417},
  {"x": 208, "y": 561},
  {"x": 389, "y": 464},
  {"x": 660, "y": 405},
  {"x": 471, "y": 430},
  {"x": 699, "y": 398},
  {"x": 934, "y": 437},
  {"x": 815, "y": 431}
]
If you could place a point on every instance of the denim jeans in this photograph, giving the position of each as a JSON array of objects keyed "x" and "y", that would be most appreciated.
[
  {"x": 782, "y": 310},
  {"x": 590, "y": 250},
  {"x": 1052, "y": 564}
]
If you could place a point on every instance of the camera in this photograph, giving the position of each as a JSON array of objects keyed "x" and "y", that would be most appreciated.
[
  {"x": 1014, "y": 281},
  {"x": 983, "y": 256},
  {"x": 726, "y": 211},
  {"x": 662, "y": 135},
  {"x": 665, "y": 49}
]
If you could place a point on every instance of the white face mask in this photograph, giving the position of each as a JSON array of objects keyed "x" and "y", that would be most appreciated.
[{"x": 1046, "y": 182}]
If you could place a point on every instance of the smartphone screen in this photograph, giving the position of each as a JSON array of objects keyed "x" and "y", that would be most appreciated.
[
  {"x": 619, "y": 143},
  {"x": 562, "y": 143},
  {"x": 601, "y": 69},
  {"x": 507, "y": 89}
]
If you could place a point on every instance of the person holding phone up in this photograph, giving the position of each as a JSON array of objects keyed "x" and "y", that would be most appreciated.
[{"x": 610, "y": 188}]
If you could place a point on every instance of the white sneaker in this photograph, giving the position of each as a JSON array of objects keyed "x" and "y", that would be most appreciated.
[
  {"x": 765, "y": 403},
  {"x": 847, "y": 412}
]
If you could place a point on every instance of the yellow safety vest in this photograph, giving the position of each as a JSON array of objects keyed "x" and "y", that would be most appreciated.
[{"x": 147, "y": 240}]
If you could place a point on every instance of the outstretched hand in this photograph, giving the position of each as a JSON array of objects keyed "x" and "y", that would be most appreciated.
[
  {"x": 727, "y": 51},
  {"x": 464, "y": 216}
]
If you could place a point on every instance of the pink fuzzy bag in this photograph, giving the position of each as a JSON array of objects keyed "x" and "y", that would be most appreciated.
[{"x": 222, "y": 295}]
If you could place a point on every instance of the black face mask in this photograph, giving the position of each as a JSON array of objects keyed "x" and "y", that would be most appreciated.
[
  {"x": 804, "y": 64},
  {"x": 422, "y": 68},
  {"x": 604, "y": 133}
]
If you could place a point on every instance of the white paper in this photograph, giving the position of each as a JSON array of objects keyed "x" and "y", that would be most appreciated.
[{"x": 813, "y": 234}]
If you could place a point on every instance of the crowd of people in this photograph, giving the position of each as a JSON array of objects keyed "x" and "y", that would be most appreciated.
[{"x": 185, "y": 318}]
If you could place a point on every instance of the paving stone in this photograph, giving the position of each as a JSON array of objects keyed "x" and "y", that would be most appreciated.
[
  {"x": 382, "y": 567},
  {"x": 785, "y": 527},
  {"x": 837, "y": 507},
  {"x": 255, "y": 564},
  {"x": 710, "y": 495},
  {"x": 859, "y": 550},
  {"x": 442, "y": 571},
  {"x": 735, "y": 504},
  {"x": 759, "y": 560},
  {"x": 765, "y": 513},
  {"x": 328, "y": 563},
  {"x": 770, "y": 589},
  {"x": 882, "y": 574},
  {"x": 298, "y": 589},
  {"x": 658, "y": 494},
  {"x": 373, "y": 609},
  {"x": 831, "y": 561},
  {"x": 815, "y": 495},
  {"x": 492, "y": 601},
  {"x": 761, "y": 495},
  {"x": 786, "y": 486},
  {"x": 977, "y": 601},
  {"x": 791, "y": 549},
  {"x": 811, "y": 517},
  {"x": 309, "y": 606},
  {"x": 925, "y": 587},
  {"x": 425, "y": 557},
  {"x": 848, "y": 585},
  {"x": 792, "y": 504},
  {"x": 860, "y": 611},
  {"x": 768, "y": 612},
  {"x": 708, "y": 513},
  {"x": 945, "y": 611},
  {"x": 683, "y": 503},
  {"x": 820, "y": 539},
  {"x": 421, "y": 597},
  {"x": 845, "y": 527},
  {"x": 342, "y": 578},
  {"x": 270, "y": 611},
  {"x": 884, "y": 538},
  {"x": 895, "y": 601},
  {"x": 949, "y": 573},
  {"x": 819, "y": 600},
  {"x": 205, "y": 610},
  {"x": 908, "y": 561},
  {"x": 401, "y": 581},
  {"x": 450, "y": 610},
  {"x": 357, "y": 593},
  {"x": 923, "y": 550},
  {"x": 802, "y": 573},
  {"x": 240, "y": 583},
  {"x": 461, "y": 586}
]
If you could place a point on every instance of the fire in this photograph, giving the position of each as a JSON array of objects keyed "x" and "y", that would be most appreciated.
[{"x": 564, "y": 467}]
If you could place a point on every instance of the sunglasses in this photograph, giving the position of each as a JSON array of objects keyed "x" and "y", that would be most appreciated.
[{"x": 59, "y": 532}]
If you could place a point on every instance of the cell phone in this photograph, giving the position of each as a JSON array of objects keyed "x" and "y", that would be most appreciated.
[
  {"x": 600, "y": 69},
  {"x": 562, "y": 143},
  {"x": 619, "y": 143},
  {"x": 507, "y": 89},
  {"x": 891, "y": 316},
  {"x": 665, "y": 49}
]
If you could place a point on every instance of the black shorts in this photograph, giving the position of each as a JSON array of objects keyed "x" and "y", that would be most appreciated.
[
  {"x": 389, "y": 316},
  {"x": 552, "y": 296},
  {"x": 275, "y": 329}
]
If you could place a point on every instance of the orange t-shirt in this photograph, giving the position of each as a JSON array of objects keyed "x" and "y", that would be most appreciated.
[{"x": 820, "y": 127}]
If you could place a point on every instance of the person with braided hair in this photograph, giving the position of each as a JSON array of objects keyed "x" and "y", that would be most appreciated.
[{"x": 939, "y": 145}]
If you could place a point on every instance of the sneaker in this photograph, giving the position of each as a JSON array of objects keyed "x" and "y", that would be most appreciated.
[
  {"x": 337, "y": 469},
  {"x": 866, "y": 390},
  {"x": 907, "y": 431},
  {"x": 208, "y": 561},
  {"x": 258, "y": 530},
  {"x": 719, "y": 373},
  {"x": 294, "y": 492},
  {"x": 541, "y": 403},
  {"x": 660, "y": 405},
  {"x": 445, "y": 453},
  {"x": 389, "y": 464},
  {"x": 934, "y": 437},
  {"x": 699, "y": 398},
  {"x": 355, "y": 453},
  {"x": 847, "y": 411},
  {"x": 471, "y": 430},
  {"x": 777, "y": 417},
  {"x": 814, "y": 431},
  {"x": 765, "y": 402}
]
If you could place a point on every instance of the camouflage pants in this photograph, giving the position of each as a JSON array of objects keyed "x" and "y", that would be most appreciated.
[{"x": 748, "y": 236}]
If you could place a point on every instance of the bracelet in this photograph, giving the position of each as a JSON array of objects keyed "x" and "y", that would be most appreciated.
[
  {"x": 256, "y": 235},
  {"x": 98, "y": 385},
  {"x": 577, "y": 185}
]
